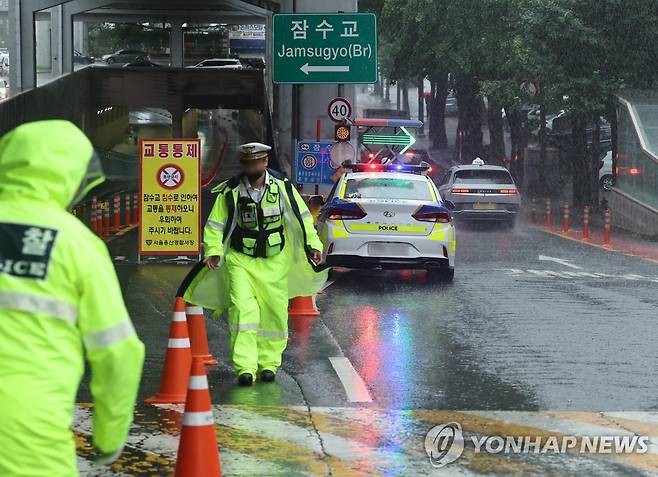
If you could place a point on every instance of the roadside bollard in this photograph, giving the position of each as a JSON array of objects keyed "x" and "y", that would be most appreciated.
[
  {"x": 586, "y": 223},
  {"x": 116, "y": 213},
  {"x": 106, "y": 219},
  {"x": 533, "y": 213},
  {"x": 565, "y": 219},
  {"x": 94, "y": 215},
  {"x": 549, "y": 215},
  {"x": 135, "y": 208},
  {"x": 128, "y": 213},
  {"x": 99, "y": 219},
  {"x": 606, "y": 228}
]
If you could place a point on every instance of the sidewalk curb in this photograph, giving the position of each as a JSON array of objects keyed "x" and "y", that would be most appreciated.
[{"x": 587, "y": 242}]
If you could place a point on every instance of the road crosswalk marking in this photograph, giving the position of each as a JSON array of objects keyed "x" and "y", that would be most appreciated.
[{"x": 366, "y": 441}]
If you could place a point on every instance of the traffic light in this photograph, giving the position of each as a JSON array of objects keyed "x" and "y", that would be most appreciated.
[{"x": 342, "y": 133}]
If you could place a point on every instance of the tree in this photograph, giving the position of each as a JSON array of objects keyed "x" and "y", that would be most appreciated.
[
  {"x": 410, "y": 28},
  {"x": 584, "y": 54},
  {"x": 580, "y": 52}
]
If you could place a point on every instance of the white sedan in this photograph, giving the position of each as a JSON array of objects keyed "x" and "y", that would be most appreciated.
[
  {"x": 481, "y": 192},
  {"x": 220, "y": 63},
  {"x": 390, "y": 217},
  {"x": 606, "y": 178}
]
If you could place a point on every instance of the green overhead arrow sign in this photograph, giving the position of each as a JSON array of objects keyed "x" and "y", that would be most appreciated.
[{"x": 405, "y": 139}]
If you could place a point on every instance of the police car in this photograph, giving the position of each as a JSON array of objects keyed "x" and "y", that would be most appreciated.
[
  {"x": 481, "y": 192},
  {"x": 388, "y": 216}
]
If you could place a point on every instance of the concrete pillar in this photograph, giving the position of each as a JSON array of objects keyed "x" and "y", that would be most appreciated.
[
  {"x": 81, "y": 37},
  {"x": 176, "y": 124},
  {"x": 56, "y": 42},
  {"x": 27, "y": 56},
  {"x": 44, "y": 60},
  {"x": 15, "y": 71},
  {"x": 190, "y": 124},
  {"x": 68, "y": 28},
  {"x": 176, "y": 43}
]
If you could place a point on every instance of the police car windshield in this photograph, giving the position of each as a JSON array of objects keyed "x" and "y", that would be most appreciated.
[
  {"x": 483, "y": 176},
  {"x": 387, "y": 188}
]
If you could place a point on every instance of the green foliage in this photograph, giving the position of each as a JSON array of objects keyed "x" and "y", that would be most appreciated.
[
  {"x": 107, "y": 38},
  {"x": 579, "y": 51}
]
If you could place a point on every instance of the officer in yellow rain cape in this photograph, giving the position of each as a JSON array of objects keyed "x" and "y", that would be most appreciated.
[
  {"x": 60, "y": 305},
  {"x": 261, "y": 249}
]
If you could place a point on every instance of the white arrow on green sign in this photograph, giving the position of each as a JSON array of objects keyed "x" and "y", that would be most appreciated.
[
  {"x": 405, "y": 139},
  {"x": 306, "y": 68}
]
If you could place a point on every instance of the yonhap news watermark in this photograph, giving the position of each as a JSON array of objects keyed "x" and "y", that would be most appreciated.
[{"x": 445, "y": 443}]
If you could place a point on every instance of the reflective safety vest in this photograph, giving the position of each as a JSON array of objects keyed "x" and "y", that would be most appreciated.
[{"x": 259, "y": 224}]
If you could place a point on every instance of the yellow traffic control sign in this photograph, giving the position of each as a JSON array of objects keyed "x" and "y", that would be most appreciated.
[{"x": 169, "y": 190}]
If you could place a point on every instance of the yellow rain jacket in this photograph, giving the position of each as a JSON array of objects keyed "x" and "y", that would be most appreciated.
[
  {"x": 60, "y": 303},
  {"x": 210, "y": 288}
]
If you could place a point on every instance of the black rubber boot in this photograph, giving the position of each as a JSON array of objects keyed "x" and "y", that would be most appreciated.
[
  {"x": 267, "y": 376},
  {"x": 245, "y": 379}
]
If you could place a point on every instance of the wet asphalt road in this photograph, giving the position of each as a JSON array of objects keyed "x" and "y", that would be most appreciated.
[{"x": 512, "y": 332}]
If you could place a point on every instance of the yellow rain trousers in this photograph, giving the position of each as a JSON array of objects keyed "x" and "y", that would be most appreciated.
[
  {"x": 60, "y": 303},
  {"x": 255, "y": 291}
]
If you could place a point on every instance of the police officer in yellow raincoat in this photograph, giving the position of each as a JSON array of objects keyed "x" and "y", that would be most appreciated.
[
  {"x": 60, "y": 302},
  {"x": 261, "y": 249}
]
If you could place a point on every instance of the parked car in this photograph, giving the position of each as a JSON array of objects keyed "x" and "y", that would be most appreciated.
[
  {"x": 4, "y": 63},
  {"x": 220, "y": 63},
  {"x": 4, "y": 89},
  {"x": 606, "y": 177},
  {"x": 125, "y": 56},
  {"x": 254, "y": 63},
  {"x": 82, "y": 59},
  {"x": 142, "y": 63},
  {"x": 452, "y": 108}
]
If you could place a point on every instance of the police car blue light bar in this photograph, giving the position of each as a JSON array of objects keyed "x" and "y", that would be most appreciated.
[
  {"x": 387, "y": 123},
  {"x": 376, "y": 167}
]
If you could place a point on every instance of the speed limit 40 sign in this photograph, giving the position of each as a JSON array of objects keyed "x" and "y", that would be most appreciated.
[{"x": 339, "y": 109}]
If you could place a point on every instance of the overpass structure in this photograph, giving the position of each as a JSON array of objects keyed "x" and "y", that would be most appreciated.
[{"x": 293, "y": 109}]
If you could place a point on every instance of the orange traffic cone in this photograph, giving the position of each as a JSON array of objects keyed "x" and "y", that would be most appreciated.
[
  {"x": 198, "y": 455},
  {"x": 177, "y": 360},
  {"x": 303, "y": 306},
  {"x": 196, "y": 325}
]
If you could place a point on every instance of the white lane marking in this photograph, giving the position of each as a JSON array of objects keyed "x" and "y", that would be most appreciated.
[
  {"x": 564, "y": 425},
  {"x": 341, "y": 447},
  {"x": 327, "y": 284},
  {"x": 86, "y": 468},
  {"x": 162, "y": 444},
  {"x": 561, "y": 425},
  {"x": 644, "y": 417},
  {"x": 515, "y": 272},
  {"x": 354, "y": 386},
  {"x": 237, "y": 464},
  {"x": 561, "y": 261}
]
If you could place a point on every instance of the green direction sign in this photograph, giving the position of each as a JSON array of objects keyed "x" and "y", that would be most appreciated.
[
  {"x": 405, "y": 139},
  {"x": 324, "y": 48}
]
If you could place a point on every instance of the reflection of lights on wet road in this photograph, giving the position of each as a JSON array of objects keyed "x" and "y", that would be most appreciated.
[{"x": 383, "y": 351}]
